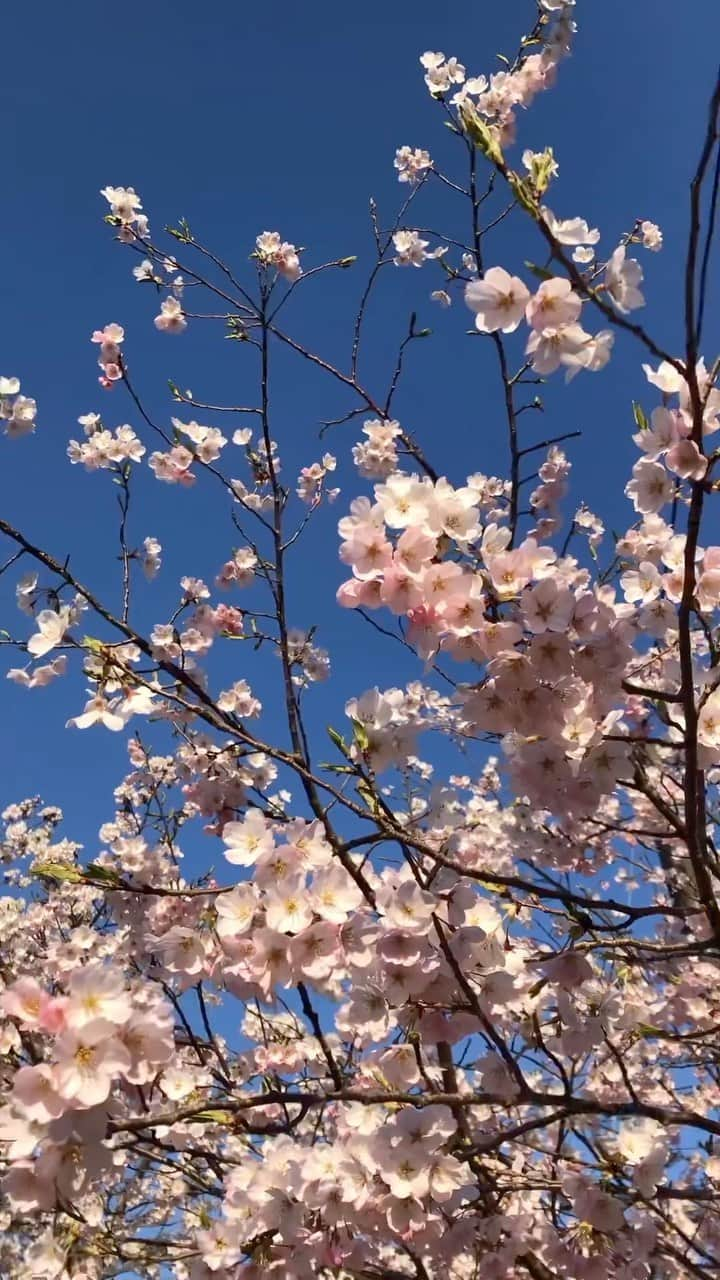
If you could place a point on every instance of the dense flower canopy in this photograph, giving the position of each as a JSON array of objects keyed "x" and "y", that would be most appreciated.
[{"x": 414, "y": 1019}]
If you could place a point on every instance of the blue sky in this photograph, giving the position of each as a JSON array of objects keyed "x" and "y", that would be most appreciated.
[{"x": 287, "y": 117}]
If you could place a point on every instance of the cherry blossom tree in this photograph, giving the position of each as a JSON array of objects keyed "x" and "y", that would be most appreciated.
[{"x": 443, "y": 1000}]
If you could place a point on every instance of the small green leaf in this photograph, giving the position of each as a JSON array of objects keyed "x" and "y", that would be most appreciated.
[
  {"x": 525, "y": 193},
  {"x": 105, "y": 874},
  {"x": 480, "y": 133},
  {"x": 541, "y": 273},
  {"x": 360, "y": 734},
  {"x": 181, "y": 232},
  {"x": 58, "y": 871},
  {"x": 336, "y": 738},
  {"x": 368, "y": 795},
  {"x": 646, "y": 1030},
  {"x": 640, "y": 417}
]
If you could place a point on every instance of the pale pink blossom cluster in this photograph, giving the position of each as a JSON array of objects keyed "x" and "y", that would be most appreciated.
[
  {"x": 125, "y": 206},
  {"x": 665, "y": 440},
  {"x": 104, "y": 448},
  {"x": 546, "y": 499},
  {"x": 272, "y": 251},
  {"x": 238, "y": 571},
  {"x": 308, "y": 661},
  {"x": 589, "y": 524},
  {"x": 501, "y": 302},
  {"x": 412, "y": 163},
  {"x": 441, "y": 73},
  {"x": 39, "y": 676},
  {"x": 171, "y": 318},
  {"x": 207, "y": 442},
  {"x": 312, "y": 481},
  {"x": 377, "y": 457},
  {"x": 196, "y": 632},
  {"x": 385, "y": 1173},
  {"x": 651, "y": 236},
  {"x": 174, "y": 467},
  {"x": 16, "y": 411},
  {"x": 93, "y": 1036},
  {"x": 497, "y": 98},
  {"x": 109, "y": 339},
  {"x": 412, "y": 251},
  {"x": 240, "y": 700}
]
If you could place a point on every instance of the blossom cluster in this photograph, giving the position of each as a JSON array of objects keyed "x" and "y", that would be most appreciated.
[
  {"x": 272, "y": 251},
  {"x": 103, "y": 448},
  {"x": 16, "y": 411},
  {"x": 501, "y": 302}
]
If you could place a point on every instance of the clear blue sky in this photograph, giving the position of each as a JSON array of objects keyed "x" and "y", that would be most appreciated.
[{"x": 244, "y": 118}]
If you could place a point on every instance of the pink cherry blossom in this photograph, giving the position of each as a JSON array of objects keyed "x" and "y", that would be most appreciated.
[
  {"x": 170, "y": 318},
  {"x": 498, "y": 300},
  {"x": 623, "y": 278}
]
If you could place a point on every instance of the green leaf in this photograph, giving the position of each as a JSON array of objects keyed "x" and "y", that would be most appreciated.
[
  {"x": 368, "y": 795},
  {"x": 102, "y": 873},
  {"x": 640, "y": 417},
  {"x": 541, "y": 273},
  {"x": 525, "y": 193},
  {"x": 336, "y": 738},
  {"x": 215, "y": 1117},
  {"x": 480, "y": 133},
  {"x": 360, "y": 734},
  {"x": 58, "y": 871},
  {"x": 542, "y": 169},
  {"x": 646, "y": 1030},
  {"x": 181, "y": 232}
]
